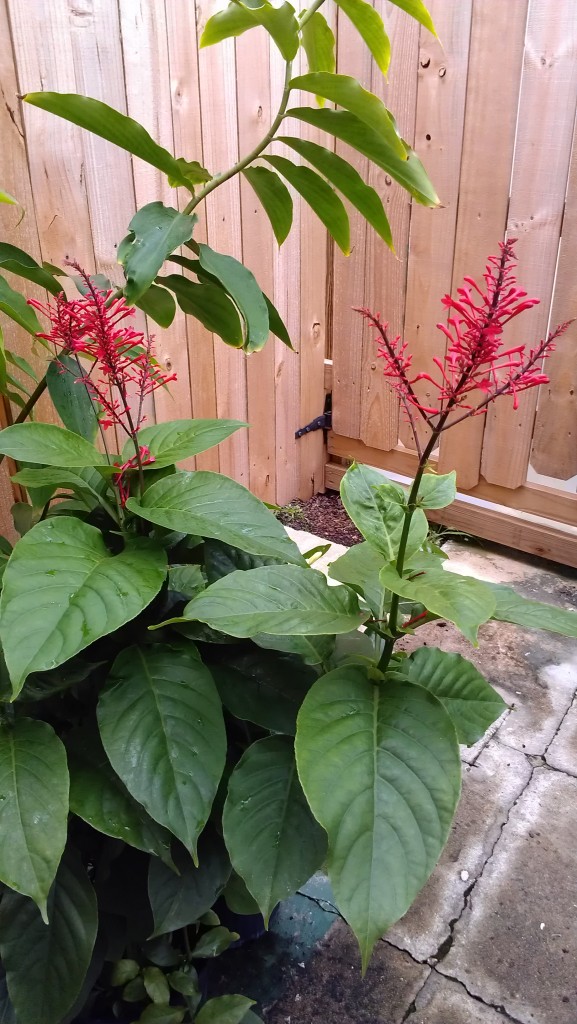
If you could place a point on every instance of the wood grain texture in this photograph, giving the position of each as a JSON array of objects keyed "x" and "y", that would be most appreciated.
[
  {"x": 498, "y": 36},
  {"x": 548, "y": 100}
]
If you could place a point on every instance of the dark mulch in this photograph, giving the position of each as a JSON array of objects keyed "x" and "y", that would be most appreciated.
[{"x": 322, "y": 515}]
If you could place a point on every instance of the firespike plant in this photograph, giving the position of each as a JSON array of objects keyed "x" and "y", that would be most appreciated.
[{"x": 189, "y": 708}]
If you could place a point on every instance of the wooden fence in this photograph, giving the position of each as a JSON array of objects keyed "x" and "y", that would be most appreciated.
[{"x": 492, "y": 113}]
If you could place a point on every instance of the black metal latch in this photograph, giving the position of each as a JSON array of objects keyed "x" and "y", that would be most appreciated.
[{"x": 321, "y": 423}]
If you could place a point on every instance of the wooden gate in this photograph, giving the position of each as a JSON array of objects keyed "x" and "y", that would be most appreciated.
[{"x": 492, "y": 113}]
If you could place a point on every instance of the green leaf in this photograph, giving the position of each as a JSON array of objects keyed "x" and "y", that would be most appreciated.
[
  {"x": 319, "y": 196},
  {"x": 110, "y": 124},
  {"x": 164, "y": 700},
  {"x": 360, "y": 567},
  {"x": 180, "y": 439},
  {"x": 179, "y": 900},
  {"x": 237, "y": 897},
  {"x": 71, "y": 398},
  {"x": 417, "y": 10},
  {"x": 98, "y": 796},
  {"x": 408, "y": 171},
  {"x": 319, "y": 45},
  {"x": 377, "y": 508},
  {"x": 267, "y": 689},
  {"x": 33, "y": 808},
  {"x": 154, "y": 232},
  {"x": 472, "y": 704},
  {"x": 275, "y": 198},
  {"x": 394, "y": 752},
  {"x": 460, "y": 599},
  {"x": 23, "y": 365},
  {"x": 186, "y": 579},
  {"x": 222, "y": 559},
  {"x": 15, "y": 306},
  {"x": 19, "y": 262},
  {"x": 224, "y": 1010},
  {"x": 511, "y": 607},
  {"x": 343, "y": 176},
  {"x": 437, "y": 491},
  {"x": 5, "y": 197},
  {"x": 63, "y": 589},
  {"x": 277, "y": 325},
  {"x": 185, "y": 981},
  {"x": 48, "y": 445},
  {"x": 194, "y": 173},
  {"x": 348, "y": 93},
  {"x": 84, "y": 482},
  {"x": 242, "y": 287},
  {"x": 209, "y": 304},
  {"x": 161, "y": 1015},
  {"x": 276, "y": 599},
  {"x": 124, "y": 971},
  {"x": 274, "y": 842},
  {"x": 280, "y": 23},
  {"x": 370, "y": 27},
  {"x": 158, "y": 304},
  {"x": 314, "y": 650},
  {"x": 46, "y": 963},
  {"x": 213, "y": 943},
  {"x": 23, "y": 517},
  {"x": 156, "y": 985},
  {"x": 212, "y": 505}
]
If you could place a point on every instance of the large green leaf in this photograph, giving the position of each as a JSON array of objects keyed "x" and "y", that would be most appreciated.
[
  {"x": 155, "y": 232},
  {"x": 224, "y": 1010},
  {"x": 370, "y": 27},
  {"x": 348, "y": 181},
  {"x": 274, "y": 842},
  {"x": 360, "y": 567},
  {"x": 280, "y": 23},
  {"x": 49, "y": 445},
  {"x": 380, "y": 768},
  {"x": 460, "y": 599},
  {"x": 180, "y": 439},
  {"x": 376, "y": 507},
  {"x": 283, "y": 599},
  {"x": 19, "y": 262},
  {"x": 511, "y": 607},
  {"x": 63, "y": 589},
  {"x": 314, "y": 650},
  {"x": 212, "y": 505},
  {"x": 221, "y": 559},
  {"x": 98, "y": 796},
  {"x": 467, "y": 697},
  {"x": 319, "y": 45},
  {"x": 437, "y": 491},
  {"x": 16, "y": 307},
  {"x": 33, "y": 807},
  {"x": 86, "y": 483},
  {"x": 408, "y": 171},
  {"x": 417, "y": 10},
  {"x": 158, "y": 304},
  {"x": 241, "y": 285},
  {"x": 348, "y": 93},
  {"x": 179, "y": 900},
  {"x": 209, "y": 304},
  {"x": 320, "y": 197},
  {"x": 71, "y": 398},
  {"x": 161, "y": 724},
  {"x": 275, "y": 198},
  {"x": 110, "y": 124},
  {"x": 265, "y": 688},
  {"x": 46, "y": 963}
]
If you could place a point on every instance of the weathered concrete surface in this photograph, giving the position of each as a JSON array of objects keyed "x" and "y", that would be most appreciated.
[
  {"x": 490, "y": 788},
  {"x": 442, "y": 1001},
  {"x": 332, "y": 991},
  {"x": 562, "y": 753},
  {"x": 516, "y": 943}
]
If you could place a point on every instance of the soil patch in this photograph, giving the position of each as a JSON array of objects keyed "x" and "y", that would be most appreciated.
[{"x": 323, "y": 515}]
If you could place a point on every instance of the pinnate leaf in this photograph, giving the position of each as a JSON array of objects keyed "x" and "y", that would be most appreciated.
[
  {"x": 370, "y": 27},
  {"x": 319, "y": 45},
  {"x": 275, "y": 198},
  {"x": 322, "y": 199}
]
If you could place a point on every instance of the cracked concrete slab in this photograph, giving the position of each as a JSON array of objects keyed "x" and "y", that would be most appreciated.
[
  {"x": 562, "y": 752},
  {"x": 490, "y": 788},
  {"x": 516, "y": 943},
  {"x": 442, "y": 1001}
]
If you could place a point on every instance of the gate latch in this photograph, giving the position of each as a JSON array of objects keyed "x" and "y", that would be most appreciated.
[{"x": 320, "y": 423}]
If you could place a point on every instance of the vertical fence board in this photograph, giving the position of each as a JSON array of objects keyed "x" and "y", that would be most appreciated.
[
  {"x": 497, "y": 30},
  {"x": 554, "y": 451},
  {"x": 386, "y": 282},
  {"x": 438, "y": 140},
  {"x": 548, "y": 95}
]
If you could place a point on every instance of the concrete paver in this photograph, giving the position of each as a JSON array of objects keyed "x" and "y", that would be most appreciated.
[
  {"x": 490, "y": 789},
  {"x": 442, "y": 1001},
  {"x": 516, "y": 943}
]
